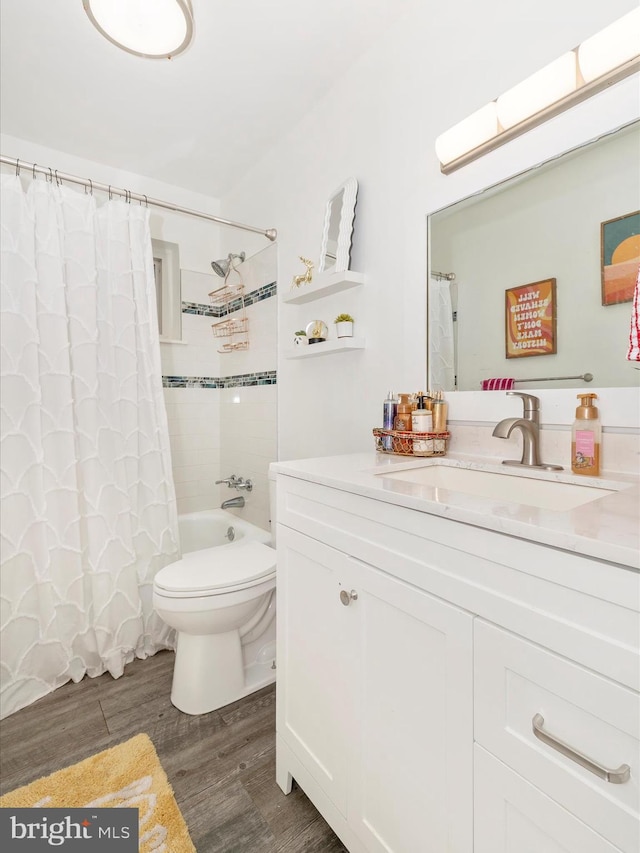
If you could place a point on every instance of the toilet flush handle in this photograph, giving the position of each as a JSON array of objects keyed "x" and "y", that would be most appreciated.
[{"x": 347, "y": 597}]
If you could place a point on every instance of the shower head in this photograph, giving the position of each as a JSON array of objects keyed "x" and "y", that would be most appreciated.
[{"x": 221, "y": 267}]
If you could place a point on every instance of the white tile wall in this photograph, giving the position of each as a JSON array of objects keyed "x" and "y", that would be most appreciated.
[
  {"x": 248, "y": 443},
  {"x": 620, "y": 452},
  {"x": 196, "y": 286},
  {"x": 218, "y": 432},
  {"x": 194, "y": 415},
  {"x": 261, "y": 268}
]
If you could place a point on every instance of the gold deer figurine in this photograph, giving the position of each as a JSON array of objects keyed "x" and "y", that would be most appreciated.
[{"x": 304, "y": 278}]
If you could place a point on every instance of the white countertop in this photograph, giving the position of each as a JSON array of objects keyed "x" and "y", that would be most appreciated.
[{"x": 607, "y": 528}]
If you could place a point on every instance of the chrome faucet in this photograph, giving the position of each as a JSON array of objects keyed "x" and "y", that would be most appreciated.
[
  {"x": 230, "y": 481},
  {"x": 232, "y": 503},
  {"x": 529, "y": 426},
  {"x": 234, "y": 482}
]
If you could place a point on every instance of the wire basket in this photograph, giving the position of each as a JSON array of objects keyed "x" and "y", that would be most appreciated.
[
  {"x": 232, "y": 326},
  {"x": 226, "y": 293},
  {"x": 408, "y": 443}
]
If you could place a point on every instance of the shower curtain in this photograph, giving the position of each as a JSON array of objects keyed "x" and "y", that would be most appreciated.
[
  {"x": 441, "y": 344},
  {"x": 88, "y": 504}
]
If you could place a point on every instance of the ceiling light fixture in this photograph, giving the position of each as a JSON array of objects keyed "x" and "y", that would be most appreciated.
[
  {"x": 599, "y": 62},
  {"x": 155, "y": 29}
]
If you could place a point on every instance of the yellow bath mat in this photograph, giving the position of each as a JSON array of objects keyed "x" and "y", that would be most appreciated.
[{"x": 127, "y": 776}]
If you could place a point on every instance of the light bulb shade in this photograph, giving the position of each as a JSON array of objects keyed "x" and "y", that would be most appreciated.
[
  {"x": 467, "y": 134},
  {"x": 616, "y": 44},
  {"x": 552, "y": 83},
  {"x": 157, "y": 29}
]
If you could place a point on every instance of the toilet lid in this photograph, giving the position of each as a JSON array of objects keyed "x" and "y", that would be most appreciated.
[{"x": 227, "y": 566}]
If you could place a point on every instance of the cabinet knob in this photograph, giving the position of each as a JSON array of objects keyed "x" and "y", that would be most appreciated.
[{"x": 347, "y": 597}]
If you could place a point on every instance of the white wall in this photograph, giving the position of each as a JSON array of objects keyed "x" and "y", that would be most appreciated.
[{"x": 432, "y": 69}]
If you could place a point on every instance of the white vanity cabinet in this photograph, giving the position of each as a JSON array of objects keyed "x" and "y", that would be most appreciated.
[
  {"x": 374, "y": 699},
  {"x": 415, "y": 653}
]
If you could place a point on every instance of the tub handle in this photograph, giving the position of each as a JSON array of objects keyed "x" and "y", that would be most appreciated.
[{"x": 230, "y": 481}]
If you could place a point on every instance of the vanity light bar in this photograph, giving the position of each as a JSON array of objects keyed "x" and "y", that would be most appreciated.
[{"x": 599, "y": 62}]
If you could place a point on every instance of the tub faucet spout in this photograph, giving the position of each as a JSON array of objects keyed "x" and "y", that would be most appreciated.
[{"x": 232, "y": 503}]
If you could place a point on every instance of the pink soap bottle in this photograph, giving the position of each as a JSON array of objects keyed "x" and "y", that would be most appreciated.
[{"x": 586, "y": 437}]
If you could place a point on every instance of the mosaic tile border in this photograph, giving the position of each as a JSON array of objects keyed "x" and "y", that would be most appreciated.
[
  {"x": 237, "y": 380},
  {"x": 258, "y": 295}
]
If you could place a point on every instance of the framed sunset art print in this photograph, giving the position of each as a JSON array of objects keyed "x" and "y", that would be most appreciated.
[{"x": 620, "y": 256}]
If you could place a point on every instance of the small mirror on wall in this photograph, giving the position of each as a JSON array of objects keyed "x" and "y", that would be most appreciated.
[{"x": 335, "y": 254}]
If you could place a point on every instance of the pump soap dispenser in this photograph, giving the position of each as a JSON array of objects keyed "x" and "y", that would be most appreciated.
[{"x": 586, "y": 436}]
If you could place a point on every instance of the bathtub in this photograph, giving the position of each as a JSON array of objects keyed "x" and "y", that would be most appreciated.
[
  {"x": 210, "y": 529},
  {"x": 218, "y": 530}
]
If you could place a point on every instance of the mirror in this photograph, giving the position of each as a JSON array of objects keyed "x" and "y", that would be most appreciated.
[
  {"x": 335, "y": 253},
  {"x": 544, "y": 224}
]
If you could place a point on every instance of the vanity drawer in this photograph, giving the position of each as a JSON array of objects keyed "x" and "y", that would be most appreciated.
[
  {"x": 511, "y": 816},
  {"x": 515, "y": 682}
]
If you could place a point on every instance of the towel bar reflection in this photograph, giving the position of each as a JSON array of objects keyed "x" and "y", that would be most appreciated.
[{"x": 585, "y": 377}]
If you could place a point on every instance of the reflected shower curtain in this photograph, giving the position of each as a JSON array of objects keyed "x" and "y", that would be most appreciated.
[
  {"x": 88, "y": 503},
  {"x": 442, "y": 368}
]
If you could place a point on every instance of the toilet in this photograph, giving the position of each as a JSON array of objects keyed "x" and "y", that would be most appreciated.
[{"x": 215, "y": 598}]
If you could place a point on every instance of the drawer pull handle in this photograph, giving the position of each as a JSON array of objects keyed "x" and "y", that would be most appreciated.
[{"x": 617, "y": 777}]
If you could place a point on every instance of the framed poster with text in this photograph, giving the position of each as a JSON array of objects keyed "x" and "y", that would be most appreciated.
[{"x": 530, "y": 319}]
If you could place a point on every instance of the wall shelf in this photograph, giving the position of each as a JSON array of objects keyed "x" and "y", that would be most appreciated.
[
  {"x": 324, "y": 284},
  {"x": 326, "y": 348}
]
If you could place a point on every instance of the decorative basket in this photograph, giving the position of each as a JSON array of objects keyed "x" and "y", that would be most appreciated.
[{"x": 408, "y": 443}]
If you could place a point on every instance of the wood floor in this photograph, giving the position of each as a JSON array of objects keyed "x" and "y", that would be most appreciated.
[{"x": 221, "y": 765}]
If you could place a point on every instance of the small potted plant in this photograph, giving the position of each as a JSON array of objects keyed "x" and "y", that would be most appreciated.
[
  {"x": 344, "y": 325},
  {"x": 300, "y": 337}
]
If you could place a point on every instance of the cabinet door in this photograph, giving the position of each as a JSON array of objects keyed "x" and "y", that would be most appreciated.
[
  {"x": 314, "y": 686},
  {"x": 410, "y": 780},
  {"x": 512, "y": 816}
]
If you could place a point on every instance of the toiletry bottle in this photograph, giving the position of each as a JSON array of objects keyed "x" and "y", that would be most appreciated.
[
  {"x": 439, "y": 410},
  {"x": 422, "y": 398},
  {"x": 421, "y": 421},
  {"x": 389, "y": 412},
  {"x": 403, "y": 414},
  {"x": 586, "y": 436}
]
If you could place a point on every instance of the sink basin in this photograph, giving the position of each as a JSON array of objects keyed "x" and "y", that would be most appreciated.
[{"x": 545, "y": 494}]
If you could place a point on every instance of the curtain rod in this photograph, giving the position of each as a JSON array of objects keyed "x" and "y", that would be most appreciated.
[
  {"x": 60, "y": 177},
  {"x": 443, "y": 276}
]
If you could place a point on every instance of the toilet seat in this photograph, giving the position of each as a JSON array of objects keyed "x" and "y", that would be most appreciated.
[{"x": 215, "y": 571}]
